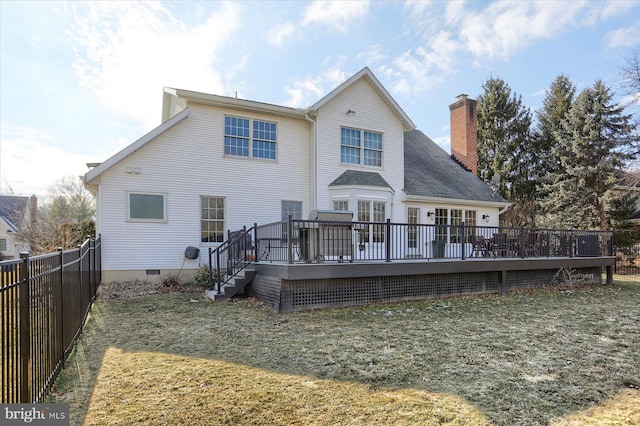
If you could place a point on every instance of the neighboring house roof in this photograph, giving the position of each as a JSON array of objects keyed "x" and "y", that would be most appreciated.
[
  {"x": 101, "y": 168},
  {"x": 12, "y": 210},
  {"x": 379, "y": 88},
  {"x": 429, "y": 172},
  {"x": 355, "y": 177}
]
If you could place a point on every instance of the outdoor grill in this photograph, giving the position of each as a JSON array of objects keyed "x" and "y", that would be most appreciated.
[{"x": 328, "y": 234}]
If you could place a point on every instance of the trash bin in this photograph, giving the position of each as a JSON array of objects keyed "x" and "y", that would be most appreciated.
[{"x": 437, "y": 247}]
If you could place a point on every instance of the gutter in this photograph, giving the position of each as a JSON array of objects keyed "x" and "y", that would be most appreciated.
[{"x": 314, "y": 162}]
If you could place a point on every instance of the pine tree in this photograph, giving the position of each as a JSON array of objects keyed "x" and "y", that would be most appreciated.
[
  {"x": 591, "y": 147},
  {"x": 503, "y": 138}
]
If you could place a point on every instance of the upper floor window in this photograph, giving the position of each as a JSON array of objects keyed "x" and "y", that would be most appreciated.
[
  {"x": 3, "y": 244},
  {"x": 360, "y": 147},
  {"x": 239, "y": 141}
]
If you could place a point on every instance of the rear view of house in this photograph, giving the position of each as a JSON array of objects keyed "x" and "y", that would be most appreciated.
[{"x": 216, "y": 164}]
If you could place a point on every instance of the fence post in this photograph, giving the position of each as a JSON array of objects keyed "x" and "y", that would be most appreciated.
[
  {"x": 570, "y": 248},
  {"x": 463, "y": 238},
  {"x": 255, "y": 242},
  {"x": 61, "y": 319},
  {"x": 521, "y": 245},
  {"x": 25, "y": 330},
  {"x": 289, "y": 239},
  {"x": 210, "y": 271},
  {"x": 387, "y": 240},
  {"x": 92, "y": 267}
]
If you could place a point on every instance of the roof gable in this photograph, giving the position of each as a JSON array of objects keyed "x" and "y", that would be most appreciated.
[
  {"x": 130, "y": 149},
  {"x": 368, "y": 76}
]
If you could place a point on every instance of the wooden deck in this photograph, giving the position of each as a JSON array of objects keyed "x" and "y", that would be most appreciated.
[{"x": 299, "y": 286}]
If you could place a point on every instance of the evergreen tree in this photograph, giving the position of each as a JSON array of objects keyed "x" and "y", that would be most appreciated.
[
  {"x": 555, "y": 108},
  {"x": 503, "y": 139},
  {"x": 591, "y": 147}
]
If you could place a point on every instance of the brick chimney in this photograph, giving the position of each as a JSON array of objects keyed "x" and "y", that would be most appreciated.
[{"x": 464, "y": 125}]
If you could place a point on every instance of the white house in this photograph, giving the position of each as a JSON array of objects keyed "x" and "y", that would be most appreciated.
[
  {"x": 218, "y": 163},
  {"x": 15, "y": 211}
]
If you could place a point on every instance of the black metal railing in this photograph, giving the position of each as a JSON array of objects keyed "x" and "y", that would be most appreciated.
[
  {"x": 45, "y": 300},
  {"x": 295, "y": 241},
  {"x": 231, "y": 257}
]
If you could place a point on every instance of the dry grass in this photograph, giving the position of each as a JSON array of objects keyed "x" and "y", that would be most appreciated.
[{"x": 544, "y": 357}]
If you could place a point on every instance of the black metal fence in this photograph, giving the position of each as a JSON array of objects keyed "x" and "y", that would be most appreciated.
[
  {"x": 297, "y": 241},
  {"x": 45, "y": 300},
  {"x": 628, "y": 260}
]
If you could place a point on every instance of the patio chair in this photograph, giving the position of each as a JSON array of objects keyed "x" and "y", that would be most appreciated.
[
  {"x": 480, "y": 246},
  {"x": 500, "y": 245},
  {"x": 531, "y": 245}
]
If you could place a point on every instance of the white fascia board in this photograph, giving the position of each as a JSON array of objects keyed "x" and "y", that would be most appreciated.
[
  {"x": 234, "y": 103},
  {"x": 130, "y": 149},
  {"x": 366, "y": 72},
  {"x": 455, "y": 201}
]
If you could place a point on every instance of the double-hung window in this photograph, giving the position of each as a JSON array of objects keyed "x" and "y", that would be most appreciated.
[
  {"x": 3, "y": 244},
  {"x": 360, "y": 147},
  {"x": 212, "y": 219},
  {"x": 245, "y": 137}
]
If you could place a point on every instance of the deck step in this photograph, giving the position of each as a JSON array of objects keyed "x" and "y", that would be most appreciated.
[{"x": 233, "y": 287}]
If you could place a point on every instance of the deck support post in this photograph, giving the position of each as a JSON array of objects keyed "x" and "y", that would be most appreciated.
[{"x": 503, "y": 283}]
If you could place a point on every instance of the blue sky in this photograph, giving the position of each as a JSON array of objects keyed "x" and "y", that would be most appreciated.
[{"x": 79, "y": 81}]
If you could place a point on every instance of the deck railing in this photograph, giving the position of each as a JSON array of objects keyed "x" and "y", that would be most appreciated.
[
  {"x": 231, "y": 257},
  {"x": 45, "y": 300},
  {"x": 304, "y": 241}
]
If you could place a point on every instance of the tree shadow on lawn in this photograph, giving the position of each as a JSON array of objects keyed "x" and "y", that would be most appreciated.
[{"x": 529, "y": 358}]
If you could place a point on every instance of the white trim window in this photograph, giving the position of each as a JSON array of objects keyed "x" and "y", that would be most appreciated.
[
  {"x": 146, "y": 207},
  {"x": 293, "y": 208},
  {"x": 341, "y": 205},
  {"x": 413, "y": 219},
  {"x": 212, "y": 219},
  {"x": 3, "y": 244},
  {"x": 361, "y": 147},
  {"x": 368, "y": 210},
  {"x": 454, "y": 218},
  {"x": 240, "y": 142}
]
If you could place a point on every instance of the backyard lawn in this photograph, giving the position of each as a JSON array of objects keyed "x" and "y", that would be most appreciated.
[{"x": 557, "y": 357}]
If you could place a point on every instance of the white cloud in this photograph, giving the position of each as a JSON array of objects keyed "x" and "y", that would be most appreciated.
[
  {"x": 373, "y": 54},
  {"x": 128, "y": 51},
  {"x": 279, "y": 34},
  {"x": 307, "y": 91},
  {"x": 506, "y": 27},
  {"x": 425, "y": 67},
  {"x": 335, "y": 14},
  {"x": 624, "y": 37},
  {"x": 31, "y": 161}
]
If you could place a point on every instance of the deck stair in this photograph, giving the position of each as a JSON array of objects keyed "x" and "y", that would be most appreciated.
[{"x": 234, "y": 286}]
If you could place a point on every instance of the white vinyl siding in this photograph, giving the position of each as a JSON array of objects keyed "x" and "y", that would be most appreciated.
[
  {"x": 372, "y": 114},
  {"x": 185, "y": 162}
]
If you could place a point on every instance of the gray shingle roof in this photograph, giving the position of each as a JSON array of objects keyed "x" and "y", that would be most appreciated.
[
  {"x": 355, "y": 177},
  {"x": 430, "y": 172}
]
